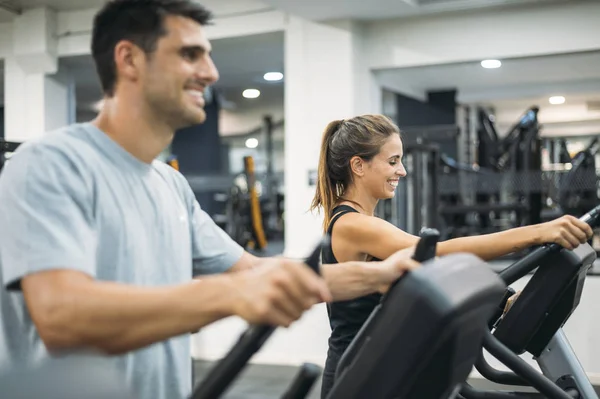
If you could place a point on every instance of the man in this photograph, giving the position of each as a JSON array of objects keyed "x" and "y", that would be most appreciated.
[{"x": 99, "y": 242}]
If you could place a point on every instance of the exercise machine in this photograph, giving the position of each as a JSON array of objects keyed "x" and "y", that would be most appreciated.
[
  {"x": 534, "y": 324},
  {"x": 456, "y": 294},
  {"x": 425, "y": 335},
  {"x": 6, "y": 147}
]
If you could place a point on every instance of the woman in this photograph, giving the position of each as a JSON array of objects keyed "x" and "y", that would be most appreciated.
[{"x": 360, "y": 164}]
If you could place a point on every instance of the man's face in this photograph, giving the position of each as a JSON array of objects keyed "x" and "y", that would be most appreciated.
[{"x": 178, "y": 72}]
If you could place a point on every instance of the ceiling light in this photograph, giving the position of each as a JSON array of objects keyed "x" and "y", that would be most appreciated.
[
  {"x": 252, "y": 143},
  {"x": 555, "y": 100},
  {"x": 251, "y": 93},
  {"x": 273, "y": 76},
  {"x": 491, "y": 64}
]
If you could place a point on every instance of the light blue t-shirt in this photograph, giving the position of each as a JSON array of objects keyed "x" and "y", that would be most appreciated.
[{"x": 76, "y": 199}]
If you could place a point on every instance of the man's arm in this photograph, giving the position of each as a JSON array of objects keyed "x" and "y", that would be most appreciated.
[
  {"x": 349, "y": 280},
  {"x": 49, "y": 253},
  {"x": 72, "y": 310},
  {"x": 246, "y": 262}
]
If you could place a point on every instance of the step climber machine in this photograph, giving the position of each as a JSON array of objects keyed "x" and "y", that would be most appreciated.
[
  {"x": 534, "y": 324},
  {"x": 400, "y": 352}
]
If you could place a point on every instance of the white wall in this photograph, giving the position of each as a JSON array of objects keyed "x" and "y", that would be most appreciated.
[
  {"x": 59, "y": 113},
  {"x": 304, "y": 341},
  {"x": 477, "y": 35},
  {"x": 74, "y": 27},
  {"x": 6, "y": 39}
]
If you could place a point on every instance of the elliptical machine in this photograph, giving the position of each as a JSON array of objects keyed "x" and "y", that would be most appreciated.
[{"x": 534, "y": 325}]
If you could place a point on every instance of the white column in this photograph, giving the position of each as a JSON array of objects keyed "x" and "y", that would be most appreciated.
[
  {"x": 326, "y": 78},
  {"x": 37, "y": 96}
]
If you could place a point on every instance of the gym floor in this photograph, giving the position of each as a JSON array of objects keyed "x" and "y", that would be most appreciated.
[{"x": 259, "y": 381}]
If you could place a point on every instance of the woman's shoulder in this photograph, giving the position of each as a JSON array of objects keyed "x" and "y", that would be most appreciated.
[{"x": 354, "y": 224}]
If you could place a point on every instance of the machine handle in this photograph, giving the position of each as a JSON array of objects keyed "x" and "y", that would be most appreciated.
[
  {"x": 303, "y": 382},
  {"x": 228, "y": 368},
  {"x": 529, "y": 262},
  {"x": 427, "y": 245},
  {"x": 592, "y": 217}
]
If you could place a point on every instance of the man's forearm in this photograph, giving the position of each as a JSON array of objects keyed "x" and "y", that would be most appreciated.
[
  {"x": 115, "y": 318},
  {"x": 351, "y": 280}
]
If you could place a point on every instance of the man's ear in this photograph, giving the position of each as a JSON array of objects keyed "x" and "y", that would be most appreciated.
[
  {"x": 128, "y": 59},
  {"x": 357, "y": 165}
]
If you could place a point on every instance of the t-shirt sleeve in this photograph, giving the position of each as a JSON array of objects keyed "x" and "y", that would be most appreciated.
[
  {"x": 46, "y": 216},
  {"x": 213, "y": 250}
]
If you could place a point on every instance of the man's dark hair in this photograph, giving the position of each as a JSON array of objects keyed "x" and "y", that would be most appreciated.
[{"x": 139, "y": 21}]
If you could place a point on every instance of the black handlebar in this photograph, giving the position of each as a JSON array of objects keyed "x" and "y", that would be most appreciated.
[
  {"x": 519, "y": 269},
  {"x": 592, "y": 217},
  {"x": 223, "y": 374},
  {"x": 427, "y": 245}
]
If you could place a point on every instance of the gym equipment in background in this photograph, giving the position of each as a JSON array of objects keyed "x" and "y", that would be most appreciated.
[
  {"x": 578, "y": 187},
  {"x": 504, "y": 189},
  {"x": 416, "y": 202},
  {"x": 259, "y": 240}
]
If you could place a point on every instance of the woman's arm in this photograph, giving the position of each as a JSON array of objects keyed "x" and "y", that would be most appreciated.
[{"x": 379, "y": 238}]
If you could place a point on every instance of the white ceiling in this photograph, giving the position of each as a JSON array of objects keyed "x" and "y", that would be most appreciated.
[
  {"x": 311, "y": 9},
  {"x": 242, "y": 62},
  {"x": 220, "y": 8},
  {"x": 533, "y": 77},
  {"x": 381, "y": 9}
]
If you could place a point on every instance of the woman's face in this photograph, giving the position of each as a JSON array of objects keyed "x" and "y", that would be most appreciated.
[{"x": 384, "y": 171}]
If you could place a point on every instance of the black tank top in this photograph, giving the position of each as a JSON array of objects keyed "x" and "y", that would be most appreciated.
[{"x": 345, "y": 317}]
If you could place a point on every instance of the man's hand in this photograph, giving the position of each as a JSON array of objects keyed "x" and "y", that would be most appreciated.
[
  {"x": 395, "y": 266},
  {"x": 277, "y": 292}
]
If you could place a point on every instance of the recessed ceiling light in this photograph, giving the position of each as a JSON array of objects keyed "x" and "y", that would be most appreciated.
[
  {"x": 251, "y": 93},
  {"x": 273, "y": 76},
  {"x": 491, "y": 64},
  {"x": 555, "y": 100},
  {"x": 252, "y": 143}
]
